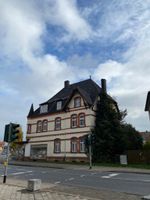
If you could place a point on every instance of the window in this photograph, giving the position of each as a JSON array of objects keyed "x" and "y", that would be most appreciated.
[
  {"x": 82, "y": 145},
  {"x": 45, "y": 124},
  {"x": 77, "y": 102},
  {"x": 81, "y": 119},
  {"x": 38, "y": 151},
  {"x": 74, "y": 121},
  {"x": 58, "y": 123},
  {"x": 39, "y": 126},
  {"x": 28, "y": 128},
  {"x": 74, "y": 145},
  {"x": 57, "y": 146},
  {"x": 59, "y": 105},
  {"x": 44, "y": 108}
]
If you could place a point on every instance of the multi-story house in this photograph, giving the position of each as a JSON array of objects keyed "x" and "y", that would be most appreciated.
[
  {"x": 56, "y": 130},
  {"x": 147, "y": 105}
]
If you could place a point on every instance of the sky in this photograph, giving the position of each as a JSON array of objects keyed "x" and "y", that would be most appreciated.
[{"x": 45, "y": 42}]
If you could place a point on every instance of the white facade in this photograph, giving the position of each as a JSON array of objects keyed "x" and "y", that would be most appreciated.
[{"x": 46, "y": 142}]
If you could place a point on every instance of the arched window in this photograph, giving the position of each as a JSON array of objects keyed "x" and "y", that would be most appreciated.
[
  {"x": 82, "y": 144},
  {"x": 74, "y": 145},
  {"x": 58, "y": 123},
  {"x": 81, "y": 119},
  {"x": 57, "y": 146},
  {"x": 28, "y": 128},
  {"x": 77, "y": 102},
  {"x": 45, "y": 124},
  {"x": 39, "y": 127},
  {"x": 74, "y": 121}
]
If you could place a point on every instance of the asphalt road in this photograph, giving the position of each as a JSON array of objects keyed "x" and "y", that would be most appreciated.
[{"x": 122, "y": 182}]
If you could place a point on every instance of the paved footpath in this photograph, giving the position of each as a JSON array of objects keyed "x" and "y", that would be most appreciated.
[
  {"x": 16, "y": 192},
  {"x": 9, "y": 192}
]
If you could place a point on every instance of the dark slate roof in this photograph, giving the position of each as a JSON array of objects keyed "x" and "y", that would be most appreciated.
[
  {"x": 31, "y": 112},
  {"x": 147, "y": 105},
  {"x": 88, "y": 89}
]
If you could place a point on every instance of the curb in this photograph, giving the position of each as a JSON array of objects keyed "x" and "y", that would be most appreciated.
[{"x": 102, "y": 169}]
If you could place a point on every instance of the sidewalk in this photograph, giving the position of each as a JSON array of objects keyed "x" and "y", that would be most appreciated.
[
  {"x": 78, "y": 166},
  {"x": 9, "y": 192},
  {"x": 14, "y": 192}
]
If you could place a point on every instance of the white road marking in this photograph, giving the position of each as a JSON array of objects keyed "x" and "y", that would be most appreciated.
[
  {"x": 18, "y": 173},
  {"x": 110, "y": 176},
  {"x": 57, "y": 182},
  {"x": 70, "y": 179}
]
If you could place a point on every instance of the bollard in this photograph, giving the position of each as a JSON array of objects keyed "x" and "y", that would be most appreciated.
[{"x": 34, "y": 184}]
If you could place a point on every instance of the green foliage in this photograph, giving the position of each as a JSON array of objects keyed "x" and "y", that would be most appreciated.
[
  {"x": 113, "y": 135},
  {"x": 15, "y": 144},
  {"x": 146, "y": 146}
]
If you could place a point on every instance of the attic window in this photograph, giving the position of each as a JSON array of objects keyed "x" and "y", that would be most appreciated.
[
  {"x": 59, "y": 105},
  {"x": 44, "y": 108},
  {"x": 77, "y": 102}
]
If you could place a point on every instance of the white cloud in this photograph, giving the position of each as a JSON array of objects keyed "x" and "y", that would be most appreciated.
[
  {"x": 22, "y": 28},
  {"x": 28, "y": 74},
  {"x": 129, "y": 82}
]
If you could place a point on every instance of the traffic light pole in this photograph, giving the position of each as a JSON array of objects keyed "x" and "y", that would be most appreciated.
[
  {"x": 90, "y": 156},
  {"x": 7, "y": 156}
]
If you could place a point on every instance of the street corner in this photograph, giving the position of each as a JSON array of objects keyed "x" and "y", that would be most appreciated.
[{"x": 10, "y": 192}]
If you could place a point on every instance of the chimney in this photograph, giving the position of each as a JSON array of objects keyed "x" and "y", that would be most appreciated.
[
  {"x": 66, "y": 84},
  {"x": 103, "y": 85}
]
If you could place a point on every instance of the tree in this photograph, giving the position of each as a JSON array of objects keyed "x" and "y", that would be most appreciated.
[
  {"x": 111, "y": 133},
  {"x": 16, "y": 145},
  {"x": 146, "y": 146},
  {"x": 134, "y": 140}
]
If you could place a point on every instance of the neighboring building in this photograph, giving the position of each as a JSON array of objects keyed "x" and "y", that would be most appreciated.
[
  {"x": 147, "y": 105},
  {"x": 1, "y": 146},
  {"x": 146, "y": 136},
  {"x": 56, "y": 130}
]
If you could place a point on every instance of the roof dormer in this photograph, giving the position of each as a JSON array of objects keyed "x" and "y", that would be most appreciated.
[{"x": 44, "y": 108}]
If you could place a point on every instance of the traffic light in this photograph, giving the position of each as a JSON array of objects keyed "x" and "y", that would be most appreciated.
[
  {"x": 14, "y": 132},
  {"x": 93, "y": 138},
  {"x": 6, "y": 133},
  {"x": 87, "y": 142}
]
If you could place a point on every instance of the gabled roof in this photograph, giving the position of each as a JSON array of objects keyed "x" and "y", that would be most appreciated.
[
  {"x": 147, "y": 105},
  {"x": 88, "y": 89},
  {"x": 31, "y": 112}
]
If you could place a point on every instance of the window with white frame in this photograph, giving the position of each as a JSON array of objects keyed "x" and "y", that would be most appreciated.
[
  {"x": 39, "y": 126},
  {"x": 81, "y": 119},
  {"x": 74, "y": 145},
  {"x": 59, "y": 105},
  {"x": 74, "y": 121},
  {"x": 44, "y": 108},
  {"x": 58, "y": 123},
  {"x": 77, "y": 102},
  {"x": 82, "y": 145},
  {"x": 45, "y": 124},
  {"x": 57, "y": 146},
  {"x": 29, "y": 128}
]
